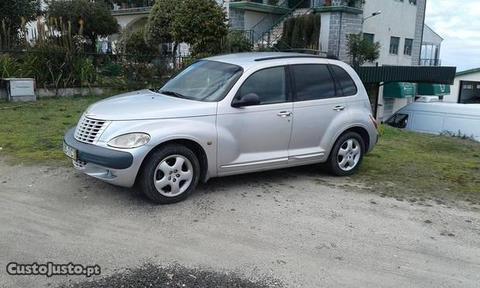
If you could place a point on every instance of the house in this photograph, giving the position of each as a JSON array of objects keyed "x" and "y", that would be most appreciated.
[
  {"x": 398, "y": 25},
  {"x": 466, "y": 88}
]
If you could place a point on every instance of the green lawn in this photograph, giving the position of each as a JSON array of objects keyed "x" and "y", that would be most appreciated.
[
  {"x": 404, "y": 165},
  {"x": 419, "y": 167},
  {"x": 33, "y": 132}
]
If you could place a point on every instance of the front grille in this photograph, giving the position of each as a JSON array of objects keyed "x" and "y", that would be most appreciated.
[{"x": 89, "y": 130}]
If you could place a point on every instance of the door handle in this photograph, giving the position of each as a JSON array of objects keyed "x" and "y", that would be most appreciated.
[
  {"x": 284, "y": 114},
  {"x": 339, "y": 108}
]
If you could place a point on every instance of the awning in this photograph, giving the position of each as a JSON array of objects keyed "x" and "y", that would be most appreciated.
[
  {"x": 399, "y": 90},
  {"x": 412, "y": 74},
  {"x": 433, "y": 89}
]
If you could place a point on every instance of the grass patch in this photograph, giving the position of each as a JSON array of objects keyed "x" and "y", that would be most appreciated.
[
  {"x": 415, "y": 166},
  {"x": 33, "y": 132}
]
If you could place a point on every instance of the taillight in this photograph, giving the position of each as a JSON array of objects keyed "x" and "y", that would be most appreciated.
[{"x": 374, "y": 121}]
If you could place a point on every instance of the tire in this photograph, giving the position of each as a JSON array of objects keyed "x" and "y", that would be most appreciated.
[
  {"x": 165, "y": 178},
  {"x": 347, "y": 154}
]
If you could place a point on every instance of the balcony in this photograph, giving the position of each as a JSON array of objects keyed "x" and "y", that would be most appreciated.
[
  {"x": 265, "y": 6},
  {"x": 132, "y": 7},
  {"x": 348, "y": 6},
  {"x": 284, "y": 6},
  {"x": 430, "y": 62}
]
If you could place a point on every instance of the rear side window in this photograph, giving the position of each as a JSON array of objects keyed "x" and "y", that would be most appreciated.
[
  {"x": 346, "y": 84},
  {"x": 269, "y": 84},
  {"x": 312, "y": 82}
]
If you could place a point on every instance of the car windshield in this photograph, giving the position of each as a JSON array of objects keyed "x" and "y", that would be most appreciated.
[{"x": 203, "y": 81}]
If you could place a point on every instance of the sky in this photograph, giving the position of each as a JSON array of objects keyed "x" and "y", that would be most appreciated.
[{"x": 458, "y": 22}]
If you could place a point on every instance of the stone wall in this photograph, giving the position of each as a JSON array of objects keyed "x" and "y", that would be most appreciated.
[
  {"x": 419, "y": 25},
  {"x": 341, "y": 25}
]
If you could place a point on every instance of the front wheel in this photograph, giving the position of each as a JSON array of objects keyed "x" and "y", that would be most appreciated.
[
  {"x": 170, "y": 174},
  {"x": 347, "y": 154}
]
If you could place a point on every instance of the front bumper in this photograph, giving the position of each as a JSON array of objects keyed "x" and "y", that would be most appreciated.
[
  {"x": 113, "y": 166},
  {"x": 99, "y": 155}
]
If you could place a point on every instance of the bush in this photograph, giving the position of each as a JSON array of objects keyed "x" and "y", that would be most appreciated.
[
  {"x": 237, "y": 42},
  {"x": 134, "y": 43},
  {"x": 301, "y": 32},
  {"x": 8, "y": 67},
  {"x": 111, "y": 69}
]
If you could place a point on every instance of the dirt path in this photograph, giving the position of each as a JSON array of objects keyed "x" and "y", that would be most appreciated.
[{"x": 281, "y": 224}]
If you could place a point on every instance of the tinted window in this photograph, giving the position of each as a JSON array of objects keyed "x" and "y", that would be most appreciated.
[
  {"x": 346, "y": 83},
  {"x": 313, "y": 82},
  {"x": 269, "y": 84},
  {"x": 398, "y": 121}
]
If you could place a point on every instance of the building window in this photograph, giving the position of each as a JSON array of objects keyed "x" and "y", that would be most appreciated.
[
  {"x": 369, "y": 37},
  {"x": 408, "y": 47},
  {"x": 394, "y": 43}
]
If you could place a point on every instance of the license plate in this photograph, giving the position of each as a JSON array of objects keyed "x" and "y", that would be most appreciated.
[{"x": 70, "y": 151}]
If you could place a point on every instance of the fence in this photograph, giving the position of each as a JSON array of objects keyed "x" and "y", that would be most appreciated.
[{"x": 61, "y": 69}]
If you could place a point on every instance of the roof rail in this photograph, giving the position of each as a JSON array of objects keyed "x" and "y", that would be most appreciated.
[{"x": 287, "y": 57}]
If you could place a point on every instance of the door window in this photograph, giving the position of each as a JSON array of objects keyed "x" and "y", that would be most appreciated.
[
  {"x": 313, "y": 82},
  {"x": 269, "y": 84}
]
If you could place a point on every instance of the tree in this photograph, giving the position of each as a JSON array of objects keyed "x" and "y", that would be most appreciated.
[
  {"x": 200, "y": 23},
  {"x": 361, "y": 50},
  {"x": 14, "y": 14},
  {"x": 160, "y": 22},
  {"x": 134, "y": 43},
  {"x": 83, "y": 17}
]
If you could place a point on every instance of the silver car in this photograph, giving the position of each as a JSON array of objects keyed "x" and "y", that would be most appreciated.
[{"x": 227, "y": 115}]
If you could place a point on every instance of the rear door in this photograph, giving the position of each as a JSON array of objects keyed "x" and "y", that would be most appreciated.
[{"x": 317, "y": 103}]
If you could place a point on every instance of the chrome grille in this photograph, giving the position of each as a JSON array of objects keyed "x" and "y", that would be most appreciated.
[{"x": 89, "y": 130}]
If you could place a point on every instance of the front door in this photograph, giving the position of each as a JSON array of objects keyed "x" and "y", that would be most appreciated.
[{"x": 256, "y": 137}]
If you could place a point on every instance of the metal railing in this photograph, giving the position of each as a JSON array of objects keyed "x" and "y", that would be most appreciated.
[
  {"x": 267, "y": 38},
  {"x": 133, "y": 10},
  {"x": 430, "y": 62}
]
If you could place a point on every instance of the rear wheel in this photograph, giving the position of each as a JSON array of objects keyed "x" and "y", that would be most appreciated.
[
  {"x": 347, "y": 154},
  {"x": 170, "y": 174}
]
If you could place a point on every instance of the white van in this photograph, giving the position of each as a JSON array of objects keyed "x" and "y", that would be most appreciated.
[{"x": 438, "y": 118}]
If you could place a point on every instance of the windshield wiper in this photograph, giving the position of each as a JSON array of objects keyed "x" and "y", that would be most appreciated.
[{"x": 173, "y": 93}]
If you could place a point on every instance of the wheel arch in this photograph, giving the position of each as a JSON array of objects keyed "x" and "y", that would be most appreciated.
[
  {"x": 357, "y": 129},
  {"x": 362, "y": 132},
  {"x": 196, "y": 148}
]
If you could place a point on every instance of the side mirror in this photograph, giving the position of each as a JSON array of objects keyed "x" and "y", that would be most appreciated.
[{"x": 246, "y": 100}]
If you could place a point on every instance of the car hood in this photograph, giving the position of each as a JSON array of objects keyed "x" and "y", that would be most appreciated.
[{"x": 146, "y": 104}]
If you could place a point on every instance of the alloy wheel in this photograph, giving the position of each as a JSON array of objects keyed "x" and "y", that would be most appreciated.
[
  {"x": 349, "y": 154},
  {"x": 173, "y": 175}
]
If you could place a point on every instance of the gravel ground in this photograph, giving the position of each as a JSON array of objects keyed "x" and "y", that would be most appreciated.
[
  {"x": 297, "y": 226},
  {"x": 174, "y": 276}
]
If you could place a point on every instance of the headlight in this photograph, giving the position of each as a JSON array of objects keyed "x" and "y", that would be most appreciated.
[{"x": 131, "y": 140}]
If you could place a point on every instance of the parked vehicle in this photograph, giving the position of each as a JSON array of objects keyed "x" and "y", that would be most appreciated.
[
  {"x": 227, "y": 115},
  {"x": 439, "y": 118}
]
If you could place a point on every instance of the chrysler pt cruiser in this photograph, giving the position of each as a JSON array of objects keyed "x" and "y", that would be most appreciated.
[{"x": 227, "y": 115}]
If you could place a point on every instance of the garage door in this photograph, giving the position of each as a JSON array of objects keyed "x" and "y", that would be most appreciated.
[{"x": 469, "y": 92}]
